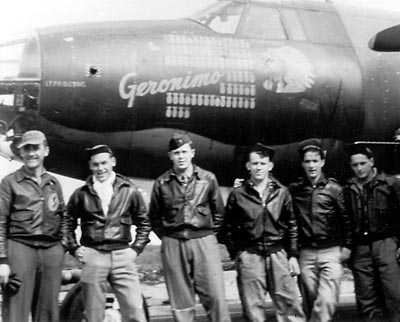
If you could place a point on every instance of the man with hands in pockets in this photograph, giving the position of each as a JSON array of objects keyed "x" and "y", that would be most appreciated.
[{"x": 107, "y": 205}]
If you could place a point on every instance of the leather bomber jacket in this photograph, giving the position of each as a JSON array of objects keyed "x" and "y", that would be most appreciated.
[
  {"x": 263, "y": 228},
  {"x": 375, "y": 211},
  {"x": 186, "y": 212},
  {"x": 321, "y": 214},
  {"x": 113, "y": 230},
  {"x": 31, "y": 213}
]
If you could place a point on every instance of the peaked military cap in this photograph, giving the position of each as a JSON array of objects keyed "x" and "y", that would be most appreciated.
[
  {"x": 31, "y": 137},
  {"x": 263, "y": 149},
  {"x": 177, "y": 140},
  {"x": 310, "y": 144},
  {"x": 97, "y": 149},
  {"x": 359, "y": 148}
]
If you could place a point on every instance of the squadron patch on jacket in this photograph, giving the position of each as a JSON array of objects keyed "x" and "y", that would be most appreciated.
[{"x": 53, "y": 201}]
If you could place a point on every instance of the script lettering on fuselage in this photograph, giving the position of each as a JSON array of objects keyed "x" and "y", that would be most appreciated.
[{"x": 129, "y": 87}]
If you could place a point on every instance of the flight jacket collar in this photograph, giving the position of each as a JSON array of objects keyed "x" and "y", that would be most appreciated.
[
  {"x": 22, "y": 174},
  {"x": 378, "y": 178},
  {"x": 197, "y": 172},
  {"x": 118, "y": 182},
  {"x": 321, "y": 182},
  {"x": 273, "y": 184}
]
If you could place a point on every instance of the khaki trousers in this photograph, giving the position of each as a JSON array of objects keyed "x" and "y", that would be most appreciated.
[
  {"x": 377, "y": 279},
  {"x": 194, "y": 267},
  {"x": 257, "y": 275},
  {"x": 118, "y": 269},
  {"x": 39, "y": 270},
  {"x": 321, "y": 270}
]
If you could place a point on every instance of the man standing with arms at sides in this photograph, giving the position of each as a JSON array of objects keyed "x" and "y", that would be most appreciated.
[
  {"x": 260, "y": 232},
  {"x": 107, "y": 206},
  {"x": 325, "y": 233},
  {"x": 186, "y": 210},
  {"x": 373, "y": 199},
  {"x": 33, "y": 235}
]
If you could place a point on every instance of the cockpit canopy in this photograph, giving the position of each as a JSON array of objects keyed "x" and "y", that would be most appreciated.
[{"x": 274, "y": 20}]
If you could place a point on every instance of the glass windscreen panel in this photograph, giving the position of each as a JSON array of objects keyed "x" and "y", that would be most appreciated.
[
  {"x": 263, "y": 22},
  {"x": 222, "y": 17},
  {"x": 19, "y": 59},
  {"x": 333, "y": 30}
]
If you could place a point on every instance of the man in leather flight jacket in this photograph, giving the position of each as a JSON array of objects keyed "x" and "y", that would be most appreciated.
[
  {"x": 33, "y": 235},
  {"x": 107, "y": 206},
  {"x": 373, "y": 200},
  {"x": 186, "y": 210},
  {"x": 325, "y": 233},
  {"x": 260, "y": 232}
]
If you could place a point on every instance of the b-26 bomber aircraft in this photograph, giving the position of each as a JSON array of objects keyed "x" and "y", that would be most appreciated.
[{"x": 236, "y": 73}]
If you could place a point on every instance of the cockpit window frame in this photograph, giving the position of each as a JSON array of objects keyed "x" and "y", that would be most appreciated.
[
  {"x": 270, "y": 7},
  {"x": 216, "y": 6},
  {"x": 293, "y": 24},
  {"x": 338, "y": 37},
  {"x": 298, "y": 29}
]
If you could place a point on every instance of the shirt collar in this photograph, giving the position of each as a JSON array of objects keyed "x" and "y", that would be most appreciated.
[
  {"x": 109, "y": 181},
  {"x": 377, "y": 176},
  {"x": 23, "y": 173},
  {"x": 322, "y": 181},
  {"x": 196, "y": 172},
  {"x": 272, "y": 182}
]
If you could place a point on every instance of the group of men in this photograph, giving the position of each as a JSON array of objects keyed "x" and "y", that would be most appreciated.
[{"x": 273, "y": 233}]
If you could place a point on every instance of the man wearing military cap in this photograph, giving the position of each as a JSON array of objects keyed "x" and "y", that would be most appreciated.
[
  {"x": 107, "y": 205},
  {"x": 373, "y": 200},
  {"x": 186, "y": 211},
  {"x": 260, "y": 232},
  {"x": 325, "y": 234},
  {"x": 33, "y": 235}
]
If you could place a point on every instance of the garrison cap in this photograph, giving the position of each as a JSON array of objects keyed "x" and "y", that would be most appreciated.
[
  {"x": 97, "y": 149},
  {"x": 359, "y": 148},
  {"x": 177, "y": 140},
  {"x": 310, "y": 144},
  {"x": 31, "y": 137},
  {"x": 266, "y": 151}
]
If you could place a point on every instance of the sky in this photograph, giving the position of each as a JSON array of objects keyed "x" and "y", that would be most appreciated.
[{"x": 20, "y": 15}]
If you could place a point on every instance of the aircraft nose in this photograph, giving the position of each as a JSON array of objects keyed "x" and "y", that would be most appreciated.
[{"x": 20, "y": 86}]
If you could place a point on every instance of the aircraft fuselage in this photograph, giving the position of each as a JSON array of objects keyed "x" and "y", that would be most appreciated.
[{"x": 131, "y": 84}]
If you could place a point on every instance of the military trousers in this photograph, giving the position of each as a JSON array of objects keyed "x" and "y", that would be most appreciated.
[
  {"x": 259, "y": 274},
  {"x": 192, "y": 267},
  {"x": 377, "y": 279},
  {"x": 39, "y": 270},
  {"x": 321, "y": 270},
  {"x": 118, "y": 269}
]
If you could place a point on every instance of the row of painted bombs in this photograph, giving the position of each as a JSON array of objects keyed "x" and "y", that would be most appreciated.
[
  {"x": 210, "y": 100},
  {"x": 207, "y": 41},
  {"x": 209, "y": 62},
  {"x": 184, "y": 111},
  {"x": 237, "y": 89},
  {"x": 208, "y": 51}
]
